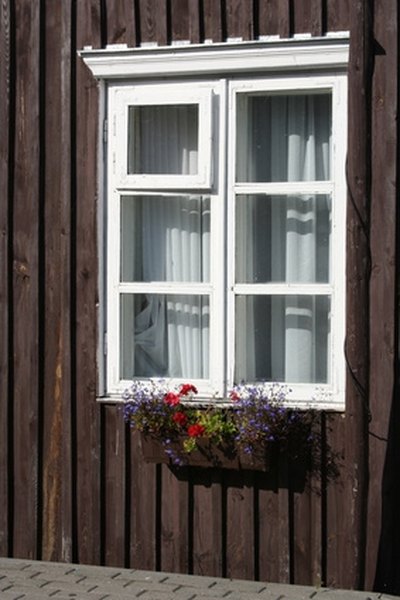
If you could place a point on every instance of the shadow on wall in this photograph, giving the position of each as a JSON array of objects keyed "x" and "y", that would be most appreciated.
[{"x": 387, "y": 577}]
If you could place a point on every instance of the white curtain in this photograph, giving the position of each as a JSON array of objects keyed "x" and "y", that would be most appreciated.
[
  {"x": 165, "y": 239},
  {"x": 283, "y": 238}
]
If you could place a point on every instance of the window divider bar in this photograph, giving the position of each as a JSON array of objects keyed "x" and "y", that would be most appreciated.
[{"x": 284, "y": 289}]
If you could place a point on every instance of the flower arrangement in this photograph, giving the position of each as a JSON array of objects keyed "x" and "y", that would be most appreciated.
[
  {"x": 170, "y": 416},
  {"x": 254, "y": 420}
]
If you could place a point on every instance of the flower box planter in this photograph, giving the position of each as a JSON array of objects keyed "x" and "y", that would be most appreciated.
[{"x": 206, "y": 455}]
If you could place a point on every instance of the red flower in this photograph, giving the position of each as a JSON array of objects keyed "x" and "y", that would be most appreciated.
[
  {"x": 196, "y": 430},
  {"x": 171, "y": 399},
  {"x": 180, "y": 418},
  {"x": 186, "y": 388},
  {"x": 234, "y": 396}
]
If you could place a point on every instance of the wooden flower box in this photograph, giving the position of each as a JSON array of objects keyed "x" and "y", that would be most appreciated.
[{"x": 206, "y": 455}]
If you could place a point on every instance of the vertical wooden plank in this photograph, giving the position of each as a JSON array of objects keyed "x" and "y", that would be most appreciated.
[
  {"x": 174, "y": 522},
  {"x": 5, "y": 73},
  {"x": 240, "y": 543},
  {"x": 338, "y": 15},
  {"x": 274, "y": 18},
  {"x": 268, "y": 533},
  {"x": 121, "y": 23},
  {"x": 114, "y": 486},
  {"x": 284, "y": 523},
  {"x": 143, "y": 510},
  {"x": 86, "y": 410},
  {"x": 57, "y": 505},
  {"x": 357, "y": 295},
  {"x": 307, "y": 16},
  {"x": 25, "y": 279},
  {"x": 153, "y": 21},
  {"x": 273, "y": 523},
  {"x": 213, "y": 21},
  {"x": 195, "y": 22},
  {"x": 307, "y": 520},
  {"x": 185, "y": 21},
  {"x": 239, "y": 19},
  {"x": 383, "y": 312},
  {"x": 307, "y": 537},
  {"x": 207, "y": 522},
  {"x": 336, "y": 507},
  {"x": 179, "y": 20}
]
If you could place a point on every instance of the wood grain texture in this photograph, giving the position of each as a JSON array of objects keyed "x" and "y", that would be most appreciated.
[
  {"x": 144, "y": 495},
  {"x": 357, "y": 294},
  {"x": 274, "y": 17},
  {"x": 26, "y": 202},
  {"x": 57, "y": 504},
  {"x": 214, "y": 21},
  {"x": 383, "y": 311},
  {"x": 307, "y": 16},
  {"x": 153, "y": 18},
  {"x": 338, "y": 15},
  {"x": 207, "y": 522},
  {"x": 114, "y": 483},
  {"x": 121, "y": 23},
  {"x": 87, "y": 425},
  {"x": 268, "y": 533},
  {"x": 5, "y": 165},
  {"x": 179, "y": 15},
  {"x": 306, "y": 535},
  {"x": 239, "y": 19},
  {"x": 240, "y": 554},
  {"x": 174, "y": 540},
  {"x": 336, "y": 507}
]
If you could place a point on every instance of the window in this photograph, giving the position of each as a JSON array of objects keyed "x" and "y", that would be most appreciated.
[{"x": 224, "y": 226}]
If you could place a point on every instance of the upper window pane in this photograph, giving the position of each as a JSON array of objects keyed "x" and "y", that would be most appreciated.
[
  {"x": 163, "y": 139},
  {"x": 283, "y": 137}
]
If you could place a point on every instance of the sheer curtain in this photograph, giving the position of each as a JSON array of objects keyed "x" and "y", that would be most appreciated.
[
  {"x": 283, "y": 238},
  {"x": 165, "y": 238}
]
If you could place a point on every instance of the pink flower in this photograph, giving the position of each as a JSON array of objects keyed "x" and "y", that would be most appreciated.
[
  {"x": 234, "y": 396},
  {"x": 195, "y": 430},
  {"x": 186, "y": 388},
  {"x": 180, "y": 418},
  {"x": 172, "y": 399}
]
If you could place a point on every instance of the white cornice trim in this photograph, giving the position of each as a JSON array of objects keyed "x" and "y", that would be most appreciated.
[{"x": 120, "y": 62}]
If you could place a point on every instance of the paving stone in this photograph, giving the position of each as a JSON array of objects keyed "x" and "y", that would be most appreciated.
[{"x": 35, "y": 580}]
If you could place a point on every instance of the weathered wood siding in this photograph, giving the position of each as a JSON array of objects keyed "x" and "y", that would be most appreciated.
[{"x": 72, "y": 483}]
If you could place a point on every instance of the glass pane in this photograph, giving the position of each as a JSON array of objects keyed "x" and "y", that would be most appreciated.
[
  {"x": 283, "y": 137},
  {"x": 164, "y": 336},
  {"x": 163, "y": 139},
  {"x": 165, "y": 238},
  {"x": 282, "y": 338},
  {"x": 283, "y": 238}
]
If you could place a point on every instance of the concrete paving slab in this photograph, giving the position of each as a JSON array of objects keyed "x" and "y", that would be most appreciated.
[{"x": 37, "y": 580}]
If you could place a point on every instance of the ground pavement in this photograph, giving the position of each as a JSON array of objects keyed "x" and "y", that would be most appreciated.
[{"x": 36, "y": 580}]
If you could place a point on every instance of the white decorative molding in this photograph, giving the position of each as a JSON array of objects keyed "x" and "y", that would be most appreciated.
[{"x": 313, "y": 53}]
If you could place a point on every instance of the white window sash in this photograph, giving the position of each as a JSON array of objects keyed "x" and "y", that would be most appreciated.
[
  {"x": 329, "y": 395},
  {"x": 178, "y": 94}
]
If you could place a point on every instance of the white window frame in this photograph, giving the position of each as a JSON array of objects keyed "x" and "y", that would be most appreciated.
[{"x": 315, "y": 63}]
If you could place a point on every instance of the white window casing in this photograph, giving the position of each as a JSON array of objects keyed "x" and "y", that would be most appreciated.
[{"x": 211, "y": 78}]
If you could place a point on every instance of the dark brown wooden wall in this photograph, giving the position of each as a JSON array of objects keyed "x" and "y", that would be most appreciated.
[{"x": 72, "y": 484}]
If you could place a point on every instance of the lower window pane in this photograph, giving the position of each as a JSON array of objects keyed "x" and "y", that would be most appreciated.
[
  {"x": 164, "y": 336},
  {"x": 282, "y": 338}
]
